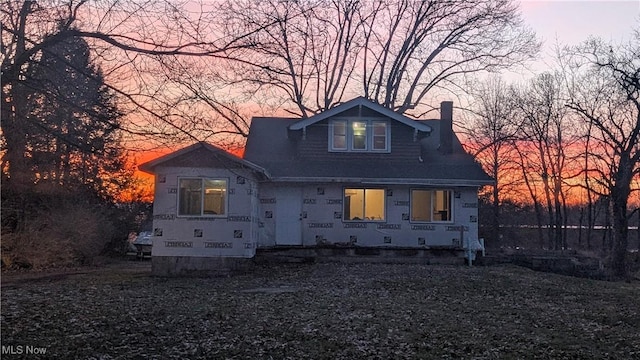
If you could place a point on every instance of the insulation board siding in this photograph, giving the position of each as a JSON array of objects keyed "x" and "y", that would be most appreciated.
[
  {"x": 321, "y": 219},
  {"x": 233, "y": 234}
]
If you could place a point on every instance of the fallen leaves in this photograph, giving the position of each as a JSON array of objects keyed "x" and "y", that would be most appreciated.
[{"x": 327, "y": 311}]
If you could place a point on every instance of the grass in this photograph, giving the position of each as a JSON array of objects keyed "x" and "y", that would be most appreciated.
[{"x": 325, "y": 311}]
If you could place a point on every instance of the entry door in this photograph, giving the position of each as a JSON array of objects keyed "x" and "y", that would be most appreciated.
[{"x": 289, "y": 216}]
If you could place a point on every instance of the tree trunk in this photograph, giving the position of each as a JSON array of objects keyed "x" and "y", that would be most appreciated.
[
  {"x": 14, "y": 112},
  {"x": 620, "y": 191},
  {"x": 580, "y": 222},
  {"x": 13, "y": 120},
  {"x": 590, "y": 219},
  {"x": 620, "y": 233},
  {"x": 496, "y": 211}
]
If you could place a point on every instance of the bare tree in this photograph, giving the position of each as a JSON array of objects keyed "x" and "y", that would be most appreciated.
[
  {"x": 609, "y": 99},
  {"x": 194, "y": 94},
  {"x": 548, "y": 136},
  {"x": 491, "y": 134},
  {"x": 311, "y": 53},
  {"x": 415, "y": 47},
  {"x": 124, "y": 37},
  {"x": 299, "y": 53}
]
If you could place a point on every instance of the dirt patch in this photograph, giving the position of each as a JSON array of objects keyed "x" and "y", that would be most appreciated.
[{"x": 116, "y": 266}]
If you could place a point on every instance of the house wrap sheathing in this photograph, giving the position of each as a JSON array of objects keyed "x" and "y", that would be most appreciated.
[{"x": 358, "y": 175}]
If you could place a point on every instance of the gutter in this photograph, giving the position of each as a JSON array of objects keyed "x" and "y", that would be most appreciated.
[{"x": 389, "y": 181}]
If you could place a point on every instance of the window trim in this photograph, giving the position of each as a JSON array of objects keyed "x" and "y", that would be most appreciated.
[
  {"x": 202, "y": 194},
  {"x": 432, "y": 221},
  {"x": 369, "y": 135},
  {"x": 364, "y": 220}
]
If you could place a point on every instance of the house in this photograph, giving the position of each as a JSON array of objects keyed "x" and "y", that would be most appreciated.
[{"x": 358, "y": 175}]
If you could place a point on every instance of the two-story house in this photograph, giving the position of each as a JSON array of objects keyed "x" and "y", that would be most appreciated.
[{"x": 357, "y": 175}]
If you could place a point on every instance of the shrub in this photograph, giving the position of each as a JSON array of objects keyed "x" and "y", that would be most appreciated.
[{"x": 42, "y": 230}]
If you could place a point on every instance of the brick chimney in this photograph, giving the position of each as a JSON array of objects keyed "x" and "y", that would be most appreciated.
[{"x": 446, "y": 127}]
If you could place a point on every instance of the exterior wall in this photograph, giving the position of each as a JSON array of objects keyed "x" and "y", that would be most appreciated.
[
  {"x": 234, "y": 235},
  {"x": 321, "y": 219}
]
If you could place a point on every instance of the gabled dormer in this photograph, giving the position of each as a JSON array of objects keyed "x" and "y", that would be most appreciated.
[{"x": 359, "y": 126}]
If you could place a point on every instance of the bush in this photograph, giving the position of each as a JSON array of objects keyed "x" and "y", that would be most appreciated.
[
  {"x": 70, "y": 235},
  {"x": 43, "y": 230}
]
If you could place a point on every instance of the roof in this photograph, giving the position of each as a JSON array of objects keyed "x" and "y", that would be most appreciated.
[
  {"x": 360, "y": 102},
  {"x": 269, "y": 146},
  {"x": 215, "y": 155}
]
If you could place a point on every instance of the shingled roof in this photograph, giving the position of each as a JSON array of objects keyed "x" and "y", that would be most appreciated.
[
  {"x": 200, "y": 154},
  {"x": 270, "y": 147}
]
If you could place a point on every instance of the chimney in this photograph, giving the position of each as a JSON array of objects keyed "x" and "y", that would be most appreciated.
[{"x": 446, "y": 127}]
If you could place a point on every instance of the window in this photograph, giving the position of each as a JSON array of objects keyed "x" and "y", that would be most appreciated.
[
  {"x": 339, "y": 135},
  {"x": 359, "y": 135},
  {"x": 359, "y": 131},
  {"x": 379, "y": 135},
  {"x": 431, "y": 205},
  {"x": 202, "y": 197},
  {"x": 364, "y": 204}
]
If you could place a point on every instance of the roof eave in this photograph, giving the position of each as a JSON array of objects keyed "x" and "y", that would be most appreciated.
[
  {"x": 149, "y": 167},
  {"x": 386, "y": 181},
  {"x": 360, "y": 101}
]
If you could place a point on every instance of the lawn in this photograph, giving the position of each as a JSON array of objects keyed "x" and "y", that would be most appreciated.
[{"x": 322, "y": 311}]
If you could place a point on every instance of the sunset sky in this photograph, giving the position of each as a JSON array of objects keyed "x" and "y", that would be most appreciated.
[
  {"x": 563, "y": 22},
  {"x": 571, "y": 22}
]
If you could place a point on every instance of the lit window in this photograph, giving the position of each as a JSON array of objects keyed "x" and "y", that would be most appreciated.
[
  {"x": 359, "y": 135},
  {"x": 359, "y": 131},
  {"x": 431, "y": 205},
  {"x": 202, "y": 197},
  {"x": 364, "y": 204}
]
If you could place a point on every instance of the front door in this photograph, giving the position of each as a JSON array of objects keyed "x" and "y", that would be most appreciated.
[{"x": 289, "y": 216}]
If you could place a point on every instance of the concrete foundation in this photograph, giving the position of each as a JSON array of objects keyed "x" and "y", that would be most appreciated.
[
  {"x": 168, "y": 266},
  {"x": 190, "y": 266},
  {"x": 441, "y": 256}
]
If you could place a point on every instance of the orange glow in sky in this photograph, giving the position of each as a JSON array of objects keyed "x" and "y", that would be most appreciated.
[{"x": 563, "y": 22}]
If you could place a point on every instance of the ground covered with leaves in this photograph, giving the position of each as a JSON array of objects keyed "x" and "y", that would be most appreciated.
[{"x": 322, "y": 311}]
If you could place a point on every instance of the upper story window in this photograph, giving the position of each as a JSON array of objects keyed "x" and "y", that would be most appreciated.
[
  {"x": 339, "y": 129},
  {"x": 202, "y": 197},
  {"x": 359, "y": 135}
]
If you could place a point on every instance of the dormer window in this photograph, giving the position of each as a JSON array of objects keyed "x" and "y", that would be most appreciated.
[
  {"x": 380, "y": 138},
  {"x": 339, "y": 129},
  {"x": 359, "y": 135}
]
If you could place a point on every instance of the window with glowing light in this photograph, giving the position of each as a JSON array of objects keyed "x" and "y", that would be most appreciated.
[
  {"x": 431, "y": 205},
  {"x": 364, "y": 204},
  {"x": 359, "y": 132},
  {"x": 359, "y": 135},
  {"x": 202, "y": 197}
]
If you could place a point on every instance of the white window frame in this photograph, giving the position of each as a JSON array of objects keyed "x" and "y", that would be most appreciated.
[
  {"x": 431, "y": 206},
  {"x": 364, "y": 204},
  {"x": 369, "y": 135},
  {"x": 202, "y": 197}
]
